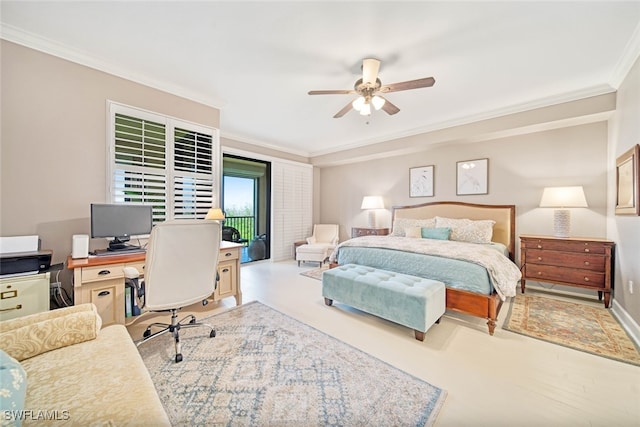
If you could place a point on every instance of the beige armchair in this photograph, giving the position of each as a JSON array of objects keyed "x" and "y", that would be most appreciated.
[{"x": 319, "y": 245}]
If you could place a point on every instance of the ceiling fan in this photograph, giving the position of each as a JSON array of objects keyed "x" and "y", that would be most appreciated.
[{"x": 369, "y": 88}]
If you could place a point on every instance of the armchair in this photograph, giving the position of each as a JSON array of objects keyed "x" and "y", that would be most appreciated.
[{"x": 319, "y": 245}]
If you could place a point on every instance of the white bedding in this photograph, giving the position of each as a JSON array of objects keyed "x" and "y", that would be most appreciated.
[{"x": 504, "y": 274}]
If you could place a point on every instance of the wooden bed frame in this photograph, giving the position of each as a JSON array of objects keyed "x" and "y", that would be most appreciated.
[{"x": 485, "y": 306}]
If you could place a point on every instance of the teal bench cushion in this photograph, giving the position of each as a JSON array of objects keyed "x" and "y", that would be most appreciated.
[{"x": 411, "y": 301}]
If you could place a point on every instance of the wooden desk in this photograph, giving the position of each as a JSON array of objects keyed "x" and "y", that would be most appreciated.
[{"x": 100, "y": 280}]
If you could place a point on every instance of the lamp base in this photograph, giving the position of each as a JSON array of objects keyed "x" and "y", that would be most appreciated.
[
  {"x": 372, "y": 219},
  {"x": 561, "y": 222}
]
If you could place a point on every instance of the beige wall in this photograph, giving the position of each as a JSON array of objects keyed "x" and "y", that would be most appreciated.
[
  {"x": 53, "y": 141},
  {"x": 625, "y": 230},
  {"x": 519, "y": 168}
]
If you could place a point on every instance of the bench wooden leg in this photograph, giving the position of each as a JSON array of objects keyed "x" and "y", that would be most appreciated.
[
  {"x": 438, "y": 321},
  {"x": 328, "y": 301},
  {"x": 419, "y": 335}
]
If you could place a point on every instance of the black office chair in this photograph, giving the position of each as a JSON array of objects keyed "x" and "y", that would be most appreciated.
[{"x": 230, "y": 234}]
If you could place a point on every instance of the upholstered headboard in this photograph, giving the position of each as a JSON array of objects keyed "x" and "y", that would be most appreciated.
[{"x": 504, "y": 216}]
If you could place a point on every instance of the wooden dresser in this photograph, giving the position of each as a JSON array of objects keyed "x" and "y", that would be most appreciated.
[
  {"x": 362, "y": 231},
  {"x": 580, "y": 262}
]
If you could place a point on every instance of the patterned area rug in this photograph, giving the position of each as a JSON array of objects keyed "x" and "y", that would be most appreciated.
[
  {"x": 265, "y": 368},
  {"x": 579, "y": 326},
  {"x": 315, "y": 273}
]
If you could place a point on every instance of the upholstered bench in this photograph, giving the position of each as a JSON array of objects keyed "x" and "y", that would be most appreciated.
[{"x": 411, "y": 301}]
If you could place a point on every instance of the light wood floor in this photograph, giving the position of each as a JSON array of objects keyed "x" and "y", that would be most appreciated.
[{"x": 504, "y": 380}]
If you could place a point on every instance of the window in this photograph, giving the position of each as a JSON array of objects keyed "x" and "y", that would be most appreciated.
[{"x": 162, "y": 161}]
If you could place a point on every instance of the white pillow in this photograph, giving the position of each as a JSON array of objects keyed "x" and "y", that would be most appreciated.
[
  {"x": 413, "y": 232},
  {"x": 466, "y": 230},
  {"x": 399, "y": 224}
]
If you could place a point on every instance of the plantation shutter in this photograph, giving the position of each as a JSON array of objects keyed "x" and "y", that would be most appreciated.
[
  {"x": 163, "y": 162},
  {"x": 292, "y": 189}
]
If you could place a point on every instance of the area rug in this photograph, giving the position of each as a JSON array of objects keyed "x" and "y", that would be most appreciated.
[
  {"x": 265, "y": 368},
  {"x": 572, "y": 324},
  {"x": 315, "y": 273}
]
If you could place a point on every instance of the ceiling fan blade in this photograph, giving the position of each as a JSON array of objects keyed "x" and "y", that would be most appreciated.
[
  {"x": 388, "y": 107},
  {"x": 332, "y": 92},
  {"x": 411, "y": 84},
  {"x": 344, "y": 111},
  {"x": 370, "y": 68}
]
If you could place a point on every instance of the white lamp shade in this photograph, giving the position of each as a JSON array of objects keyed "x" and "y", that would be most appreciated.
[
  {"x": 372, "y": 202},
  {"x": 378, "y": 102},
  {"x": 215, "y": 213},
  {"x": 366, "y": 109},
  {"x": 358, "y": 103},
  {"x": 563, "y": 197}
]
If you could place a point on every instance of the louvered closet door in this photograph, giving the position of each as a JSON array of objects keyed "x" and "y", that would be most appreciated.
[{"x": 292, "y": 189}]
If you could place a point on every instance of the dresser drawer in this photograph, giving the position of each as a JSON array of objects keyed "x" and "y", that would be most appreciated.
[
  {"x": 103, "y": 272},
  {"x": 565, "y": 245},
  {"x": 562, "y": 274},
  {"x": 563, "y": 259}
]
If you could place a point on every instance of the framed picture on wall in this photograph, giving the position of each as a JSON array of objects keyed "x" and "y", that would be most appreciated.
[
  {"x": 421, "y": 181},
  {"x": 628, "y": 182},
  {"x": 472, "y": 177}
]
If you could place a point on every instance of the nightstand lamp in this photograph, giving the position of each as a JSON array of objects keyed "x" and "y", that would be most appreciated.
[
  {"x": 371, "y": 203},
  {"x": 563, "y": 198}
]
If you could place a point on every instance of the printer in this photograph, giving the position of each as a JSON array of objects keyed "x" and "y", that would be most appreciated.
[{"x": 21, "y": 256}]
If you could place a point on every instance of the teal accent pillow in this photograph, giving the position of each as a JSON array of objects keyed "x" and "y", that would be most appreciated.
[
  {"x": 436, "y": 233},
  {"x": 13, "y": 387}
]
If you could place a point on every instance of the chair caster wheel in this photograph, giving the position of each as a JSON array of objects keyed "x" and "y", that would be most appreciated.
[
  {"x": 193, "y": 320},
  {"x": 212, "y": 334},
  {"x": 146, "y": 333},
  {"x": 178, "y": 358}
]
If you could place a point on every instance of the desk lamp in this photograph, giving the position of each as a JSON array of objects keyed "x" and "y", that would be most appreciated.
[{"x": 215, "y": 214}]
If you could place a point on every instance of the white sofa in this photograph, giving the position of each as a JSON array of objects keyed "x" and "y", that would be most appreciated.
[{"x": 78, "y": 372}]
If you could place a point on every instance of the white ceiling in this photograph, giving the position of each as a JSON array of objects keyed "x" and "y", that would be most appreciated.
[{"x": 256, "y": 61}]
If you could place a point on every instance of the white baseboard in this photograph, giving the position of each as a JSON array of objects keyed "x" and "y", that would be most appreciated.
[{"x": 627, "y": 322}]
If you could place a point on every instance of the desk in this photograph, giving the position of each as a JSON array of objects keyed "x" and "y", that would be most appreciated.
[{"x": 100, "y": 280}]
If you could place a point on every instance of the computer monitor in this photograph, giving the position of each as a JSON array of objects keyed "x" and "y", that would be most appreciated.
[{"x": 119, "y": 222}]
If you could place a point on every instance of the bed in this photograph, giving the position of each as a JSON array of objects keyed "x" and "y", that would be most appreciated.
[{"x": 478, "y": 276}]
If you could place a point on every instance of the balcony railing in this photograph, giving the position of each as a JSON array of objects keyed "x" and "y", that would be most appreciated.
[{"x": 244, "y": 224}]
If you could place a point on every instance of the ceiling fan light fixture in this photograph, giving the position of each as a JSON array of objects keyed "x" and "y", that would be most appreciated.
[
  {"x": 377, "y": 102},
  {"x": 366, "y": 109},
  {"x": 358, "y": 103}
]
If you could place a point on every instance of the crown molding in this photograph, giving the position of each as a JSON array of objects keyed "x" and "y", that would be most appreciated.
[
  {"x": 50, "y": 47},
  {"x": 629, "y": 57}
]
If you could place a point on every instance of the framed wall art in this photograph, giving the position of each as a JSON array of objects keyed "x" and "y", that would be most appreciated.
[
  {"x": 472, "y": 177},
  {"x": 628, "y": 182},
  {"x": 421, "y": 181}
]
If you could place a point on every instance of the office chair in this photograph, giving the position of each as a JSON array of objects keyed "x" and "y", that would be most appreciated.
[{"x": 180, "y": 269}]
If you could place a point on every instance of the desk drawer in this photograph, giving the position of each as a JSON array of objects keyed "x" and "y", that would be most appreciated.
[
  {"x": 103, "y": 272},
  {"x": 561, "y": 274},
  {"x": 228, "y": 254},
  {"x": 566, "y": 259}
]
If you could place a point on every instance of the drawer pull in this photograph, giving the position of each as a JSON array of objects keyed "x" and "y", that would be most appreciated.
[
  {"x": 228, "y": 254},
  {"x": 539, "y": 246},
  {"x": 586, "y": 263},
  {"x": 103, "y": 293},
  {"x": 539, "y": 258},
  {"x": 539, "y": 273},
  {"x": 225, "y": 270},
  {"x": 586, "y": 250},
  {"x": 586, "y": 279},
  {"x": 104, "y": 272},
  {"x": 17, "y": 307}
]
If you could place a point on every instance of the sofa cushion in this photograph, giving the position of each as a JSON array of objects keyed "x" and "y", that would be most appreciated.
[
  {"x": 13, "y": 387},
  {"x": 32, "y": 335}
]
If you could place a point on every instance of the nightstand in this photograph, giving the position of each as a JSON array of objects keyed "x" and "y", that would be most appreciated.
[
  {"x": 366, "y": 231},
  {"x": 580, "y": 262}
]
